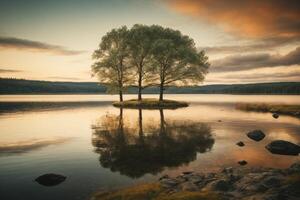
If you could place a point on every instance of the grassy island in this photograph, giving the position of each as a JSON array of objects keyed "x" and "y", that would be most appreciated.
[
  {"x": 151, "y": 103},
  {"x": 292, "y": 110}
]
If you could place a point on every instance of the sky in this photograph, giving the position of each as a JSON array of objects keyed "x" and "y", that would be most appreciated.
[{"x": 246, "y": 41}]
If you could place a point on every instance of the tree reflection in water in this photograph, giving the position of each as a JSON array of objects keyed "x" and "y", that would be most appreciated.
[{"x": 128, "y": 150}]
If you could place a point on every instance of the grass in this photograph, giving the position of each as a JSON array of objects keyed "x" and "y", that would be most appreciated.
[
  {"x": 151, "y": 103},
  {"x": 293, "y": 110},
  {"x": 152, "y": 191}
]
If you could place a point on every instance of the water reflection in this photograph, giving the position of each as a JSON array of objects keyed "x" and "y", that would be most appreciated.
[
  {"x": 27, "y": 106},
  {"x": 147, "y": 147},
  {"x": 20, "y": 147}
]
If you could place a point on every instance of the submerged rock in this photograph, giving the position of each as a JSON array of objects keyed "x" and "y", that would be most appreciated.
[
  {"x": 256, "y": 135},
  {"x": 243, "y": 162},
  {"x": 240, "y": 143},
  {"x": 50, "y": 179},
  {"x": 275, "y": 115},
  {"x": 283, "y": 148}
]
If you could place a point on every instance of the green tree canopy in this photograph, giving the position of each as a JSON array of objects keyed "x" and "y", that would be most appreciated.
[
  {"x": 112, "y": 65},
  {"x": 141, "y": 39},
  {"x": 176, "y": 60},
  {"x": 147, "y": 56}
]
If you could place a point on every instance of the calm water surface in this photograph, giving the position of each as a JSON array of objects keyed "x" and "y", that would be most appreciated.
[{"x": 98, "y": 146}]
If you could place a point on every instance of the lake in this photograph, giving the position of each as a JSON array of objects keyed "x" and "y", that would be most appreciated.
[{"x": 100, "y": 147}]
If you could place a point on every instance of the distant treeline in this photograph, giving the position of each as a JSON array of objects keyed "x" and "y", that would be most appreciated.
[{"x": 21, "y": 86}]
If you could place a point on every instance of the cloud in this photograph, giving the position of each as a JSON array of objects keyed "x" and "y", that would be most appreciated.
[
  {"x": 261, "y": 76},
  {"x": 252, "y": 18},
  {"x": 254, "y": 61},
  {"x": 23, "y": 44},
  {"x": 262, "y": 44},
  {"x": 269, "y": 74},
  {"x": 9, "y": 71}
]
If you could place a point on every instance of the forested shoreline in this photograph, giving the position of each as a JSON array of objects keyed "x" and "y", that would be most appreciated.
[{"x": 22, "y": 86}]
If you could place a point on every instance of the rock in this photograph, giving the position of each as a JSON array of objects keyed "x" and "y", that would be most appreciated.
[
  {"x": 188, "y": 186},
  {"x": 256, "y": 135},
  {"x": 275, "y": 115},
  {"x": 181, "y": 179},
  {"x": 283, "y": 148},
  {"x": 168, "y": 182},
  {"x": 219, "y": 120},
  {"x": 210, "y": 175},
  {"x": 163, "y": 177},
  {"x": 187, "y": 172},
  {"x": 272, "y": 181},
  {"x": 227, "y": 170},
  {"x": 220, "y": 185},
  {"x": 255, "y": 188},
  {"x": 196, "y": 178},
  {"x": 295, "y": 167},
  {"x": 233, "y": 177},
  {"x": 240, "y": 143},
  {"x": 50, "y": 179},
  {"x": 243, "y": 162}
]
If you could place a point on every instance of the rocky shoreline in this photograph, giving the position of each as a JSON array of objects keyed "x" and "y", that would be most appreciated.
[{"x": 241, "y": 183}]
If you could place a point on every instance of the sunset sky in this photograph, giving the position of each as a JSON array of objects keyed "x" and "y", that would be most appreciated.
[{"x": 246, "y": 41}]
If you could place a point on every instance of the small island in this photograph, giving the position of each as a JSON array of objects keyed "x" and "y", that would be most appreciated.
[
  {"x": 145, "y": 56},
  {"x": 150, "y": 103}
]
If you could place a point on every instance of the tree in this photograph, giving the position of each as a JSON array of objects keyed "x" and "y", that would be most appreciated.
[
  {"x": 176, "y": 60},
  {"x": 141, "y": 40},
  {"x": 112, "y": 66}
]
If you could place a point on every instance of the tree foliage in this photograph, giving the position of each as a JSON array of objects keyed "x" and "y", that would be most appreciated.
[
  {"x": 147, "y": 56},
  {"x": 176, "y": 60},
  {"x": 112, "y": 66},
  {"x": 141, "y": 39}
]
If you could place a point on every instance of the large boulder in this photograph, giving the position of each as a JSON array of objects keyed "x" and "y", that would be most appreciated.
[
  {"x": 283, "y": 148},
  {"x": 256, "y": 135},
  {"x": 50, "y": 179}
]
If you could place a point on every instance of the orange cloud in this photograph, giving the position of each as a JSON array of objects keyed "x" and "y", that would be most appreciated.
[{"x": 255, "y": 18}]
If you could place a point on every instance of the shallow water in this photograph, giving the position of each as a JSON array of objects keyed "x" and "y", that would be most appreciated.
[{"x": 98, "y": 146}]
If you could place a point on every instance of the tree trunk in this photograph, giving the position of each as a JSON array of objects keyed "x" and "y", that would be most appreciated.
[
  {"x": 161, "y": 92},
  {"x": 121, "y": 95},
  {"x": 140, "y": 86}
]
